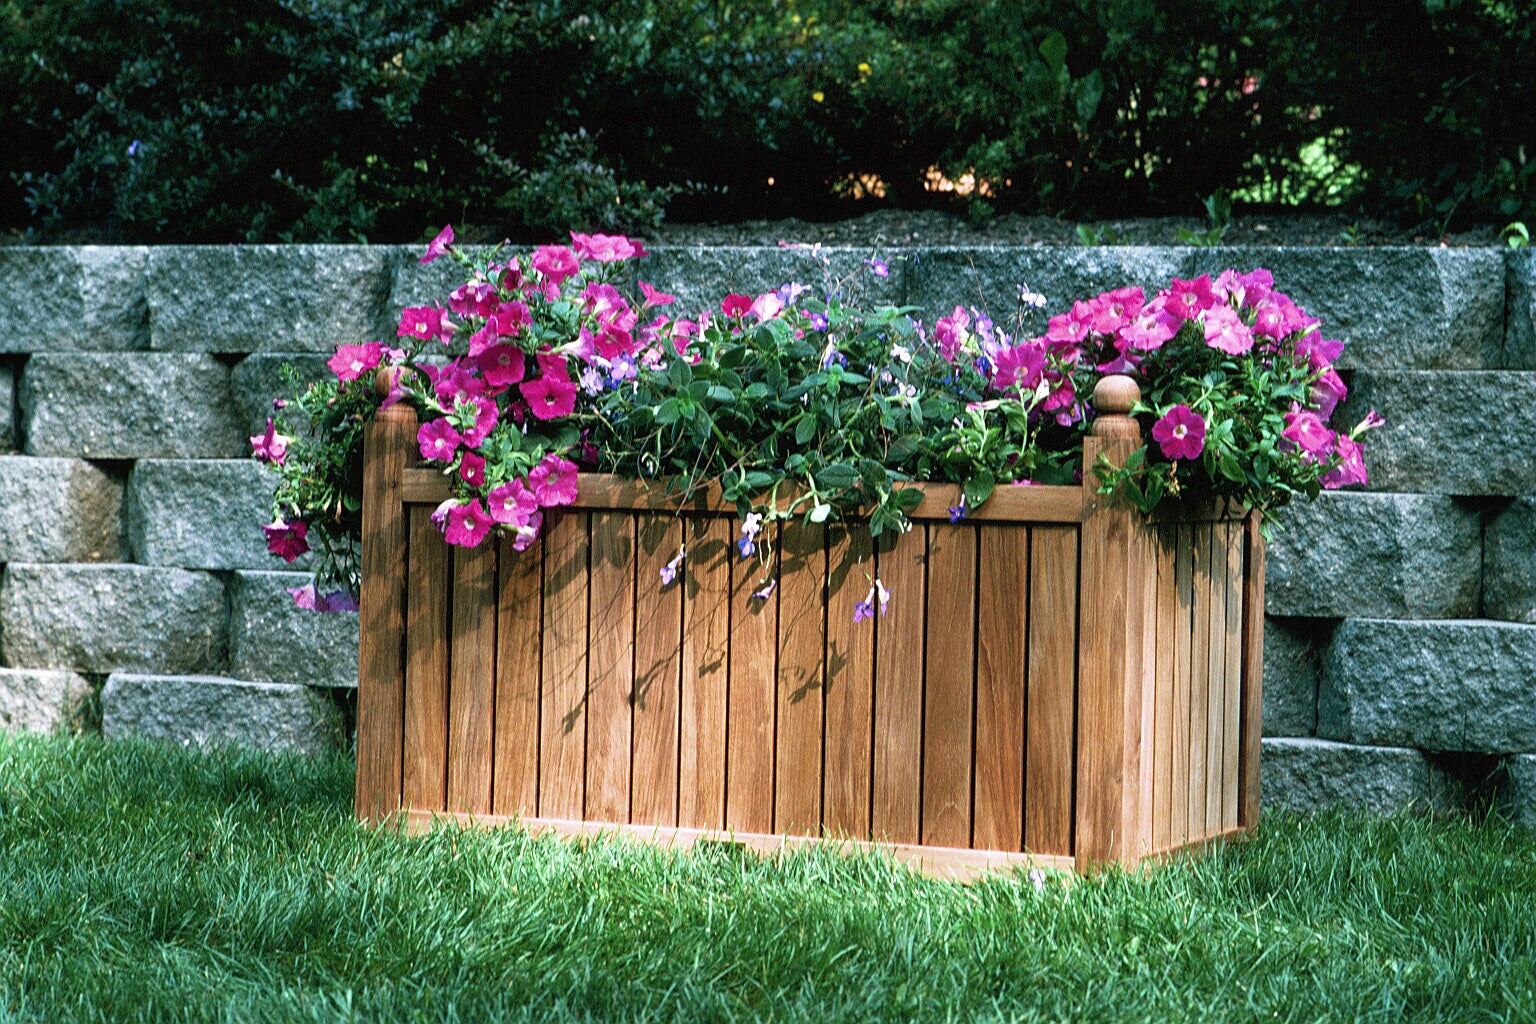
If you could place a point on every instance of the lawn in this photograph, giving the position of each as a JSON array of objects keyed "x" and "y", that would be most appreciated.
[{"x": 141, "y": 882}]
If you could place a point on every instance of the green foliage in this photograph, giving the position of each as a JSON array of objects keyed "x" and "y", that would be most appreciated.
[{"x": 143, "y": 882}]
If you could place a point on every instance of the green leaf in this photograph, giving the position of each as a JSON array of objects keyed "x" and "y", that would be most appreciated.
[
  {"x": 820, "y": 513},
  {"x": 979, "y": 487},
  {"x": 907, "y": 499},
  {"x": 872, "y": 473},
  {"x": 1053, "y": 49},
  {"x": 805, "y": 429},
  {"x": 669, "y": 411},
  {"x": 680, "y": 373},
  {"x": 836, "y": 477},
  {"x": 757, "y": 392},
  {"x": 723, "y": 395}
]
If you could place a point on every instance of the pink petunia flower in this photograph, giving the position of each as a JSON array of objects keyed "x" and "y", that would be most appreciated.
[
  {"x": 951, "y": 331},
  {"x": 457, "y": 383},
  {"x": 1187, "y": 299},
  {"x": 307, "y": 598},
  {"x": 1114, "y": 310},
  {"x": 501, "y": 366},
  {"x": 1328, "y": 391},
  {"x": 734, "y": 305},
  {"x": 1180, "y": 433},
  {"x": 555, "y": 262},
  {"x": 472, "y": 469},
  {"x": 1351, "y": 467},
  {"x": 767, "y": 306},
  {"x": 654, "y": 297},
  {"x": 606, "y": 248},
  {"x": 426, "y": 323},
  {"x": 553, "y": 481},
  {"x": 548, "y": 397},
  {"x": 474, "y": 298},
  {"x": 438, "y": 246},
  {"x": 1150, "y": 330},
  {"x": 486, "y": 416},
  {"x": 286, "y": 540},
  {"x": 438, "y": 440},
  {"x": 1019, "y": 366},
  {"x": 1305, "y": 430},
  {"x": 270, "y": 447},
  {"x": 352, "y": 361},
  {"x": 512, "y": 503},
  {"x": 1226, "y": 332},
  {"x": 467, "y": 525}
]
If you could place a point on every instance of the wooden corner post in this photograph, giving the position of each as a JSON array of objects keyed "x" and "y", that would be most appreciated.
[
  {"x": 1118, "y": 573},
  {"x": 387, "y": 445}
]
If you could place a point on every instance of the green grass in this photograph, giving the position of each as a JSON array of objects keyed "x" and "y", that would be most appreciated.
[{"x": 139, "y": 882}]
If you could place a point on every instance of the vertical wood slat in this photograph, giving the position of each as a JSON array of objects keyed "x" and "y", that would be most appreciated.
[
  {"x": 658, "y": 648},
  {"x": 472, "y": 680},
  {"x": 949, "y": 686},
  {"x": 610, "y": 666},
  {"x": 1162, "y": 741},
  {"x": 1052, "y": 686},
  {"x": 850, "y": 684},
  {"x": 898, "y": 745},
  {"x": 1140, "y": 746},
  {"x": 749, "y": 728},
  {"x": 800, "y": 681},
  {"x": 388, "y": 441},
  {"x": 707, "y": 610},
  {"x": 1184, "y": 598},
  {"x": 519, "y": 642},
  {"x": 1001, "y": 665},
  {"x": 1232, "y": 699},
  {"x": 1199, "y": 676},
  {"x": 425, "y": 767},
  {"x": 1216, "y": 708},
  {"x": 563, "y": 712},
  {"x": 1253, "y": 675}
]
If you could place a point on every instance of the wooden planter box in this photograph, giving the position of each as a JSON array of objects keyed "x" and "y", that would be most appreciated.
[{"x": 1058, "y": 681}]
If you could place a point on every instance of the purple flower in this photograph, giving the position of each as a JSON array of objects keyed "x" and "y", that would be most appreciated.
[
  {"x": 766, "y": 591},
  {"x": 750, "y": 528},
  {"x": 307, "y": 598},
  {"x": 669, "y": 571},
  {"x": 270, "y": 447},
  {"x": 1180, "y": 433},
  {"x": 134, "y": 147},
  {"x": 819, "y": 321},
  {"x": 865, "y": 609},
  {"x": 958, "y": 512},
  {"x": 439, "y": 245},
  {"x": 879, "y": 268},
  {"x": 286, "y": 540}
]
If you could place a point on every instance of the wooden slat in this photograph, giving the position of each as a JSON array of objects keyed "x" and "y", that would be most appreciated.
[
  {"x": 426, "y": 666},
  {"x": 750, "y": 706},
  {"x": 381, "y": 618},
  {"x": 1140, "y": 749},
  {"x": 1184, "y": 599},
  {"x": 1253, "y": 676},
  {"x": 610, "y": 666},
  {"x": 563, "y": 690},
  {"x": 801, "y": 681},
  {"x": 1052, "y": 690},
  {"x": 1162, "y": 741},
  {"x": 1002, "y": 622},
  {"x": 1216, "y": 680},
  {"x": 1232, "y": 700},
  {"x": 707, "y": 610},
  {"x": 1199, "y": 678},
  {"x": 1009, "y": 503},
  {"x": 472, "y": 679},
  {"x": 519, "y": 641},
  {"x": 658, "y": 645},
  {"x": 949, "y": 686},
  {"x": 850, "y": 684},
  {"x": 898, "y": 746}
]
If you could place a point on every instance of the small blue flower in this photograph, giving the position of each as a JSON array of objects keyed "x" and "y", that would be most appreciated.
[
  {"x": 134, "y": 147},
  {"x": 669, "y": 571},
  {"x": 746, "y": 547},
  {"x": 864, "y": 610},
  {"x": 957, "y": 512},
  {"x": 818, "y": 321}
]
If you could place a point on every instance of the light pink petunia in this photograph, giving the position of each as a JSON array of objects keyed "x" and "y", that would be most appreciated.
[
  {"x": 606, "y": 248},
  {"x": 270, "y": 447},
  {"x": 512, "y": 503},
  {"x": 1187, "y": 299},
  {"x": 439, "y": 245},
  {"x": 1180, "y": 433},
  {"x": 951, "y": 331},
  {"x": 654, "y": 297},
  {"x": 555, "y": 262},
  {"x": 767, "y": 306},
  {"x": 1226, "y": 332}
]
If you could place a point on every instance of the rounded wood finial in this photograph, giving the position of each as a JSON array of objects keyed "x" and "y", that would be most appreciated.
[
  {"x": 384, "y": 379},
  {"x": 1113, "y": 398}
]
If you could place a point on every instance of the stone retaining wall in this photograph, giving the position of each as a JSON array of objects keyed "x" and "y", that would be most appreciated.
[{"x": 1401, "y": 644}]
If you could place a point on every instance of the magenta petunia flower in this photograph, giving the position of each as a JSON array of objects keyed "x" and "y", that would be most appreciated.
[
  {"x": 524, "y": 536},
  {"x": 467, "y": 525},
  {"x": 307, "y": 598},
  {"x": 474, "y": 298},
  {"x": 472, "y": 469},
  {"x": 486, "y": 416},
  {"x": 606, "y": 248},
  {"x": 654, "y": 297},
  {"x": 1113, "y": 310},
  {"x": 1180, "y": 433},
  {"x": 548, "y": 397},
  {"x": 457, "y": 383},
  {"x": 512, "y": 504},
  {"x": 1186, "y": 299},
  {"x": 501, "y": 366},
  {"x": 438, "y": 440},
  {"x": 1351, "y": 466},
  {"x": 439, "y": 245},
  {"x": 1226, "y": 332},
  {"x": 352, "y": 361},
  {"x": 286, "y": 540},
  {"x": 270, "y": 447},
  {"x": 1305, "y": 430},
  {"x": 426, "y": 323},
  {"x": 555, "y": 262},
  {"x": 1328, "y": 391},
  {"x": 734, "y": 305},
  {"x": 553, "y": 481},
  {"x": 951, "y": 331}
]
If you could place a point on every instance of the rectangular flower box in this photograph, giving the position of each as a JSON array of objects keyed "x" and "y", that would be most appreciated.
[{"x": 1058, "y": 680}]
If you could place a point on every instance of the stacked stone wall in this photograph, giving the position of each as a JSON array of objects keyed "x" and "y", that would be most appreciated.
[{"x": 1400, "y": 662}]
